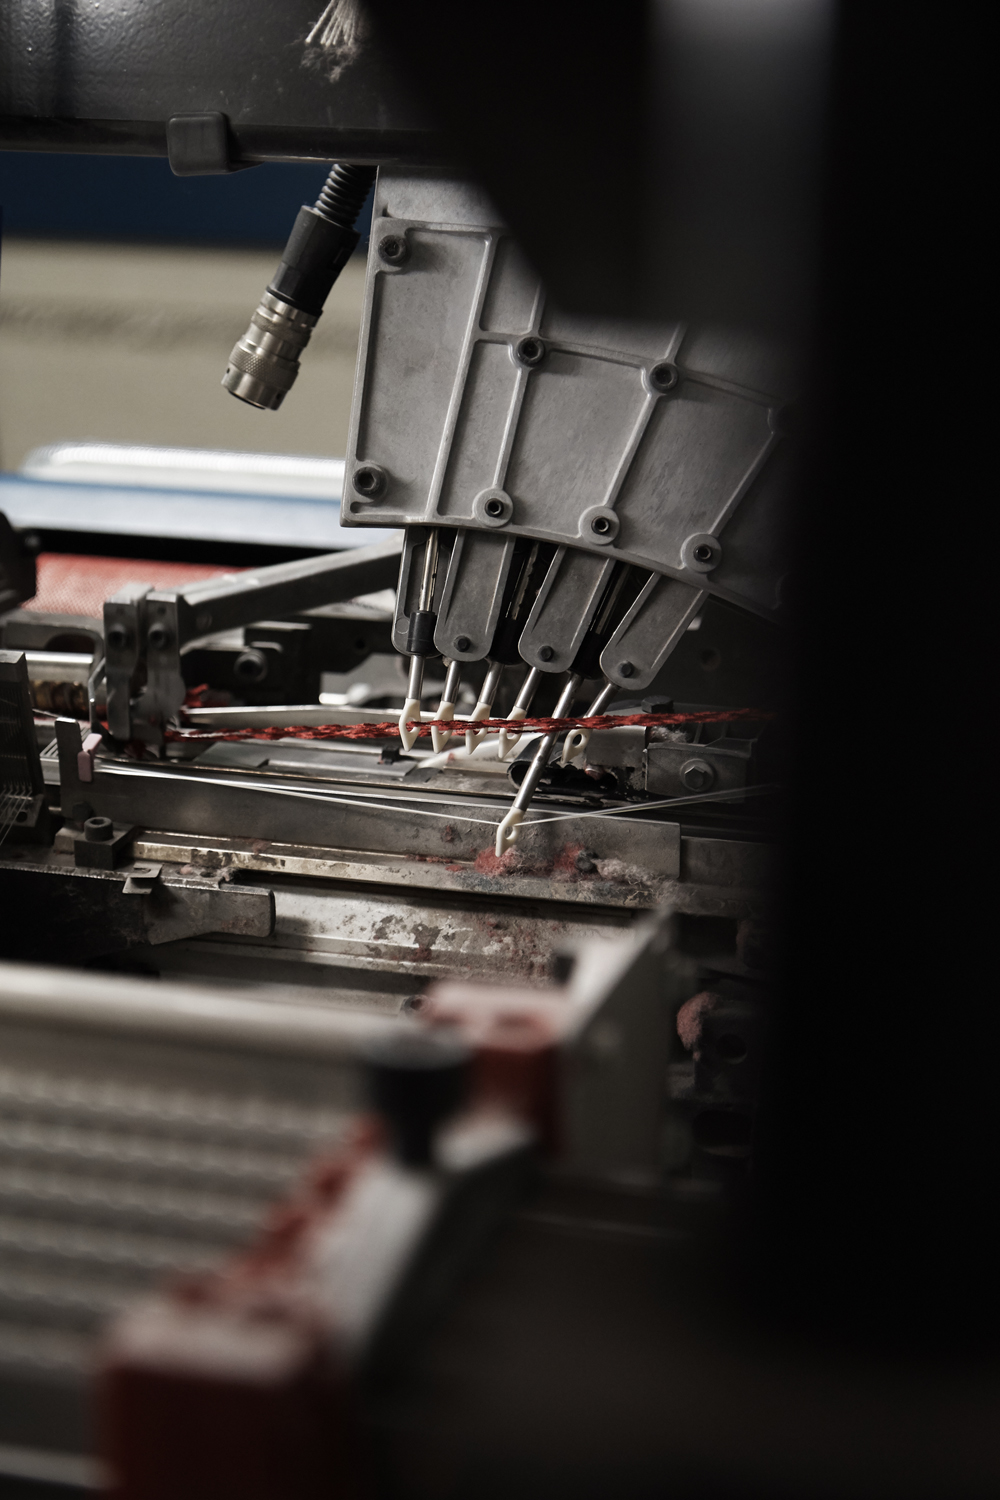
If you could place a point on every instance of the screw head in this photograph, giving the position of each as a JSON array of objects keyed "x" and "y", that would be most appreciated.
[
  {"x": 159, "y": 636},
  {"x": 369, "y": 480},
  {"x": 117, "y": 637},
  {"x": 664, "y": 376},
  {"x": 697, "y": 775},
  {"x": 545, "y": 653},
  {"x": 626, "y": 669},
  {"x": 530, "y": 351},
  {"x": 601, "y": 525},
  {"x": 250, "y": 666},
  {"x": 462, "y": 643},
  {"x": 494, "y": 507},
  {"x": 703, "y": 552},
  {"x": 394, "y": 250}
]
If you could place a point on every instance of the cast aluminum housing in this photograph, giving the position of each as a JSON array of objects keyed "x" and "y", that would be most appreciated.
[{"x": 478, "y": 404}]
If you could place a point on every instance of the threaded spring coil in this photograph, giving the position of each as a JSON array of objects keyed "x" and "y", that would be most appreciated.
[{"x": 344, "y": 193}]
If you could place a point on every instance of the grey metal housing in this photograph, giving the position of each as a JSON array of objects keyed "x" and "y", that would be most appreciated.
[{"x": 481, "y": 405}]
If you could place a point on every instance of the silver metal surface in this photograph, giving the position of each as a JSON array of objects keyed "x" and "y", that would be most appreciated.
[
  {"x": 629, "y": 440},
  {"x": 543, "y": 751},
  {"x": 650, "y": 631},
  {"x": 58, "y": 666},
  {"x": 265, "y": 361},
  {"x": 472, "y": 594},
  {"x": 564, "y": 610}
]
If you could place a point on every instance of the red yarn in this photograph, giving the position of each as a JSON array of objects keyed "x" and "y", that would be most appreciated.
[{"x": 389, "y": 728}]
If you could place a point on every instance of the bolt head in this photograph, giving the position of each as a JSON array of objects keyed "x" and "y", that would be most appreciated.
[
  {"x": 663, "y": 377},
  {"x": 626, "y": 669},
  {"x": 98, "y": 830},
  {"x": 462, "y": 643},
  {"x": 530, "y": 351},
  {"x": 394, "y": 249},
  {"x": 369, "y": 480},
  {"x": 250, "y": 666},
  {"x": 545, "y": 653},
  {"x": 697, "y": 775}
]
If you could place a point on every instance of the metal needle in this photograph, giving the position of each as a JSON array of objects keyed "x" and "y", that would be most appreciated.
[
  {"x": 487, "y": 693},
  {"x": 509, "y": 829},
  {"x": 525, "y": 698},
  {"x": 446, "y": 708}
]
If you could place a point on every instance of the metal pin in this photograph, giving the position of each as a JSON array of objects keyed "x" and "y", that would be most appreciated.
[
  {"x": 577, "y": 740},
  {"x": 509, "y": 829},
  {"x": 446, "y": 708},
  {"x": 525, "y": 698},
  {"x": 484, "y": 707},
  {"x": 411, "y": 708}
]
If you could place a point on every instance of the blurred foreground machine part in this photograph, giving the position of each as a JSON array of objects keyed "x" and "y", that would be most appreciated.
[{"x": 146, "y": 1127}]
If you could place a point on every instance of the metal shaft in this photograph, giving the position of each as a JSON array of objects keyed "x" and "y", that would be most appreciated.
[
  {"x": 429, "y": 578},
  {"x": 526, "y": 790},
  {"x": 529, "y": 687},
  {"x": 446, "y": 707},
  {"x": 578, "y": 739},
  {"x": 415, "y": 683},
  {"x": 525, "y": 698},
  {"x": 487, "y": 693}
]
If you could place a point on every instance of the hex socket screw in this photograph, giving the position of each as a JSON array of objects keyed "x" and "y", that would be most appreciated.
[
  {"x": 369, "y": 480},
  {"x": 394, "y": 250},
  {"x": 545, "y": 653},
  {"x": 529, "y": 351},
  {"x": 159, "y": 636},
  {"x": 664, "y": 376}
]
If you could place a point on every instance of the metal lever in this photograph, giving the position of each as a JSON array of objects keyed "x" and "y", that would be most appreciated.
[
  {"x": 525, "y": 698},
  {"x": 509, "y": 829},
  {"x": 577, "y": 740}
]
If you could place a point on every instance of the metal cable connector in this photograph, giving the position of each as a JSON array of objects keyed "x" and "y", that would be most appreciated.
[
  {"x": 265, "y": 361},
  {"x": 263, "y": 365}
]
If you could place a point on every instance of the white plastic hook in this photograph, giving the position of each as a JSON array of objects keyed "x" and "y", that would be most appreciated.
[
  {"x": 574, "y": 745},
  {"x": 509, "y": 831},
  {"x": 441, "y": 737},
  {"x": 509, "y": 743},
  {"x": 481, "y": 711},
  {"x": 411, "y": 710}
]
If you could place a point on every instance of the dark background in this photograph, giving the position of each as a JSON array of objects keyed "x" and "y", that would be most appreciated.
[{"x": 138, "y": 198}]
